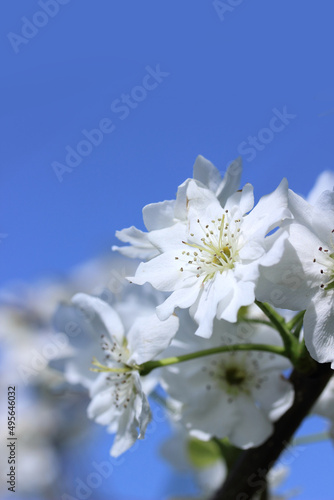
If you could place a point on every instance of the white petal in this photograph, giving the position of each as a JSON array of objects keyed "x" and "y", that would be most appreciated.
[
  {"x": 211, "y": 413},
  {"x": 212, "y": 477},
  {"x": 102, "y": 406},
  {"x": 169, "y": 238},
  {"x": 163, "y": 272},
  {"x": 252, "y": 427},
  {"x": 214, "y": 292},
  {"x": 319, "y": 327},
  {"x": 253, "y": 250},
  {"x": 181, "y": 203},
  {"x": 231, "y": 182},
  {"x": 325, "y": 404},
  {"x": 300, "y": 209},
  {"x": 133, "y": 421},
  {"x": 243, "y": 295},
  {"x": 324, "y": 181},
  {"x": 293, "y": 282},
  {"x": 269, "y": 212},
  {"x": 318, "y": 219},
  {"x": 141, "y": 247},
  {"x": 275, "y": 394},
  {"x": 202, "y": 204},
  {"x": 127, "y": 433},
  {"x": 102, "y": 317},
  {"x": 149, "y": 336},
  {"x": 159, "y": 215},
  {"x": 244, "y": 199},
  {"x": 325, "y": 202},
  {"x": 275, "y": 246},
  {"x": 183, "y": 298},
  {"x": 207, "y": 173},
  {"x": 142, "y": 407}
]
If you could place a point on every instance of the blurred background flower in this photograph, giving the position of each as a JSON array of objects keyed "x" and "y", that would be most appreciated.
[{"x": 106, "y": 107}]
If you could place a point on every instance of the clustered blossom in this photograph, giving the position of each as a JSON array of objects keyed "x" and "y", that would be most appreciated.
[
  {"x": 303, "y": 279},
  {"x": 234, "y": 394},
  {"x": 211, "y": 263},
  {"x": 118, "y": 394},
  {"x": 207, "y": 258}
]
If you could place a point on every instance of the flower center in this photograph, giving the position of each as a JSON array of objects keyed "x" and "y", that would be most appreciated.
[
  {"x": 119, "y": 377},
  {"x": 234, "y": 375},
  {"x": 215, "y": 247},
  {"x": 115, "y": 352}
]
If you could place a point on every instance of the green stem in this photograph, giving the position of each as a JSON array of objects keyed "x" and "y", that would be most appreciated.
[
  {"x": 290, "y": 343},
  {"x": 295, "y": 320},
  {"x": 257, "y": 321},
  {"x": 298, "y": 327},
  {"x": 145, "y": 368}
]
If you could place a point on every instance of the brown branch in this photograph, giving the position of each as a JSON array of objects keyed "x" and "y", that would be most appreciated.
[{"x": 248, "y": 476}]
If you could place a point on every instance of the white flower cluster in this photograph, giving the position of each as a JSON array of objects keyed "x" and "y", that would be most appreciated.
[{"x": 210, "y": 261}]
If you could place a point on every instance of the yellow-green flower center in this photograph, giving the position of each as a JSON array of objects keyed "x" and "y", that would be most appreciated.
[
  {"x": 234, "y": 375},
  {"x": 214, "y": 248}
]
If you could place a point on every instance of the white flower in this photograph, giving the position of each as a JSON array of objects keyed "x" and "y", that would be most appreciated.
[
  {"x": 118, "y": 399},
  {"x": 304, "y": 278},
  {"x": 211, "y": 263},
  {"x": 130, "y": 302},
  {"x": 165, "y": 214},
  {"x": 232, "y": 394},
  {"x": 324, "y": 182},
  {"x": 325, "y": 405},
  {"x": 36, "y": 432},
  {"x": 29, "y": 345}
]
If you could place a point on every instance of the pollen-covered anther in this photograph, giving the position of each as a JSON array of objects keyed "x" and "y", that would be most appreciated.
[{"x": 219, "y": 246}]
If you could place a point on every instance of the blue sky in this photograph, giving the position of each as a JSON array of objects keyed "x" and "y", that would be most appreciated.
[{"x": 163, "y": 82}]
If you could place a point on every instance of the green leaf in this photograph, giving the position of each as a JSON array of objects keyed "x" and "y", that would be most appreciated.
[{"x": 203, "y": 453}]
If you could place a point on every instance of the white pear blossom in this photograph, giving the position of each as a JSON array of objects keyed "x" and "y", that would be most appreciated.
[
  {"x": 130, "y": 302},
  {"x": 324, "y": 182},
  {"x": 165, "y": 214},
  {"x": 325, "y": 405},
  {"x": 118, "y": 397},
  {"x": 233, "y": 394},
  {"x": 304, "y": 277},
  {"x": 28, "y": 343},
  {"x": 211, "y": 263},
  {"x": 39, "y": 466}
]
